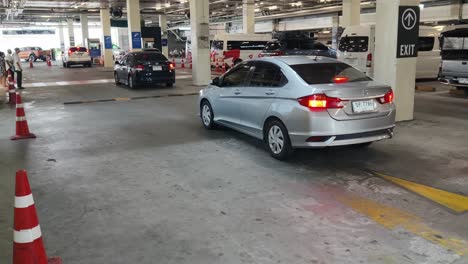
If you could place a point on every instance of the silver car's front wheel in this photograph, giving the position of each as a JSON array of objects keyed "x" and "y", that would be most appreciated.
[
  {"x": 206, "y": 114},
  {"x": 277, "y": 140}
]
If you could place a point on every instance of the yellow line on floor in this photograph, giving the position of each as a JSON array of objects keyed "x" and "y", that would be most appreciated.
[
  {"x": 122, "y": 99},
  {"x": 455, "y": 202},
  {"x": 392, "y": 218}
]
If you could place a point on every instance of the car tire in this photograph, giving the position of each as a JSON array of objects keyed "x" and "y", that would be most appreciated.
[
  {"x": 64, "y": 65},
  {"x": 131, "y": 83},
  {"x": 67, "y": 65},
  {"x": 207, "y": 115},
  {"x": 116, "y": 79},
  {"x": 170, "y": 84},
  {"x": 277, "y": 140}
]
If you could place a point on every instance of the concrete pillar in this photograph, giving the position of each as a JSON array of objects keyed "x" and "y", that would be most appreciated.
[
  {"x": 399, "y": 73},
  {"x": 106, "y": 38},
  {"x": 84, "y": 29},
  {"x": 248, "y": 16},
  {"x": 163, "y": 25},
  {"x": 200, "y": 32},
  {"x": 134, "y": 24},
  {"x": 71, "y": 32},
  {"x": 335, "y": 27},
  {"x": 351, "y": 13},
  {"x": 62, "y": 39}
]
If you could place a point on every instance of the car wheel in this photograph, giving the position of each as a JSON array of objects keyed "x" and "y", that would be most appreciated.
[
  {"x": 130, "y": 82},
  {"x": 116, "y": 79},
  {"x": 207, "y": 116},
  {"x": 277, "y": 140},
  {"x": 64, "y": 64},
  {"x": 170, "y": 84},
  {"x": 67, "y": 65}
]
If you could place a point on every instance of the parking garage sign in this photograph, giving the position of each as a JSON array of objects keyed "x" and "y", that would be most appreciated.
[{"x": 408, "y": 31}]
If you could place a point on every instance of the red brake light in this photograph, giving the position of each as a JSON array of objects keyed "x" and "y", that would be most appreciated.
[
  {"x": 320, "y": 101},
  {"x": 140, "y": 67},
  {"x": 279, "y": 53},
  {"x": 69, "y": 52},
  {"x": 387, "y": 98},
  {"x": 340, "y": 79},
  {"x": 171, "y": 66},
  {"x": 369, "y": 60}
]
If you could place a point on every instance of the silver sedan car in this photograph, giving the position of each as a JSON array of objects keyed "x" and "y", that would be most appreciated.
[{"x": 299, "y": 102}]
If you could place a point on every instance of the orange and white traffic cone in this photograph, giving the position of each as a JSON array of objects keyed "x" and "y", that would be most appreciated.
[
  {"x": 28, "y": 247},
  {"x": 182, "y": 65},
  {"x": 224, "y": 66},
  {"x": 49, "y": 63},
  {"x": 217, "y": 66},
  {"x": 174, "y": 62},
  {"x": 31, "y": 63},
  {"x": 11, "y": 89},
  {"x": 190, "y": 65},
  {"x": 22, "y": 129}
]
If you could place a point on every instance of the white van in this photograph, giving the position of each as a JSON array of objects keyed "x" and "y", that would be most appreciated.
[
  {"x": 357, "y": 46},
  {"x": 237, "y": 47}
]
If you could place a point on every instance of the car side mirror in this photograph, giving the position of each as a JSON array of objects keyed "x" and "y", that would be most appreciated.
[
  {"x": 117, "y": 63},
  {"x": 216, "y": 81}
]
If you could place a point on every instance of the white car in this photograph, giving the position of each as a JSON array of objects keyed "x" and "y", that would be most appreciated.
[{"x": 76, "y": 56}]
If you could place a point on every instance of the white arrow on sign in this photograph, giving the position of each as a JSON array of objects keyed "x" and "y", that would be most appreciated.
[{"x": 408, "y": 19}]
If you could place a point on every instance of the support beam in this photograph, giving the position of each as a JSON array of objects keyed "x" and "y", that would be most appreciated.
[
  {"x": 106, "y": 38},
  {"x": 84, "y": 29},
  {"x": 399, "y": 73},
  {"x": 62, "y": 38},
  {"x": 71, "y": 32},
  {"x": 335, "y": 28},
  {"x": 134, "y": 24},
  {"x": 351, "y": 13},
  {"x": 163, "y": 25},
  {"x": 199, "y": 22},
  {"x": 248, "y": 16}
]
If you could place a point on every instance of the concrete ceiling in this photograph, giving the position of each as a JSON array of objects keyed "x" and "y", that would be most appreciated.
[{"x": 40, "y": 11}]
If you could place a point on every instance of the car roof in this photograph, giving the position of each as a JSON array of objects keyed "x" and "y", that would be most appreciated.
[
  {"x": 293, "y": 60},
  {"x": 145, "y": 51}
]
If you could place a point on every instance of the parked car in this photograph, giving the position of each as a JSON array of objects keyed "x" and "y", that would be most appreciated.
[
  {"x": 357, "y": 46},
  {"x": 299, "y": 102},
  {"x": 454, "y": 67},
  {"x": 304, "y": 47},
  {"x": 144, "y": 68},
  {"x": 33, "y": 53},
  {"x": 76, "y": 56}
]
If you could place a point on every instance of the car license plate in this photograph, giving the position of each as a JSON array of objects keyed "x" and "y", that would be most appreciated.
[
  {"x": 363, "y": 106},
  {"x": 157, "y": 68},
  {"x": 463, "y": 80}
]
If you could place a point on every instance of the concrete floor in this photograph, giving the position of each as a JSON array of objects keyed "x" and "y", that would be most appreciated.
[{"x": 141, "y": 181}]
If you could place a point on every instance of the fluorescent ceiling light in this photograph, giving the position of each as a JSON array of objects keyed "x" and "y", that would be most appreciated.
[{"x": 273, "y": 7}]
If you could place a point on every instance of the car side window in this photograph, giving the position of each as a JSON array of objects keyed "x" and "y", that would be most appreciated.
[
  {"x": 266, "y": 75},
  {"x": 236, "y": 77},
  {"x": 128, "y": 60}
]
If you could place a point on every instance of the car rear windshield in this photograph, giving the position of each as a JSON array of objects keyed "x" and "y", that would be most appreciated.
[
  {"x": 80, "y": 49},
  {"x": 272, "y": 46},
  {"x": 354, "y": 44},
  {"x": 321, "y": 73},
  {"x": 149, "y": 57}
]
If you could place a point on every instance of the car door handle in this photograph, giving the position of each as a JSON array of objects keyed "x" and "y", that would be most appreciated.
[
  {"x": 269, "y": 92},
  {"x": 237, "y": 92},
  {"x": 464, "y": 63}
]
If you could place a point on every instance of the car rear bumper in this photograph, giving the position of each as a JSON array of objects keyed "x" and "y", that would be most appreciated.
[
  {"x": 155, "y": 78},
  {"x": 452, "y": 81},
  {"x": 322, "y": 131},
  {"x": 78, "y": 62}
]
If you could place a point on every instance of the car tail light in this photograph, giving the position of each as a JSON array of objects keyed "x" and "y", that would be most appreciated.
[
  {"x": 320, "y": 101},
  {"x": 261, "y": 55},
  {"x": 171, "y": 66},
  {"x": 387, "y": 98},
  {"x": 369, "y": 60},
  {"x": 278, "y": 53},
  {"x": 340, "y": 79},
  {"x": 69, "y": 52},
  {"x": 140, "y": 67}
]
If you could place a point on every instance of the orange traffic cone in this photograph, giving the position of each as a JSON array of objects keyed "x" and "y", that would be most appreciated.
[
  {"x": 224, "y": 66},
  {"x": 217, "y": 66},
  {"x": 11, "y": 89},
  {"x": 182, "y": 65},
  {"x": 174, "y": 62},
  {"x": 31, "y": 63},
  {"x": 190, "y": 63},
  {"x": 22, "y": 129},
  {"x": 28, "y": 247}
]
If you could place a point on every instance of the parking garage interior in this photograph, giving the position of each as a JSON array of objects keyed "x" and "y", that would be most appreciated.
[{"x": 242, "y": 131}]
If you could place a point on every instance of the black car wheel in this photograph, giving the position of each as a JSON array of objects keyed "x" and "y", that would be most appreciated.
[
  {"x": 207, "y": 116},
  {"x": 170, "y": 84},
  {"x": 116, "y": 79},
  {"x": 277, "y": 140}
]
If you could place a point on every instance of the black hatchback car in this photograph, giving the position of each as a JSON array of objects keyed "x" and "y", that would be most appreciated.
[
  {"x": 306, "y": 47},
  {"x": 144, "y": 68}
]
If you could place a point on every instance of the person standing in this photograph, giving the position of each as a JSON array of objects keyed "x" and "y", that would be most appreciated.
[
  {"x": 3, "y": 70},
  {"x": 18, "y": 69},
  {"x": 9, "y": 63}
]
